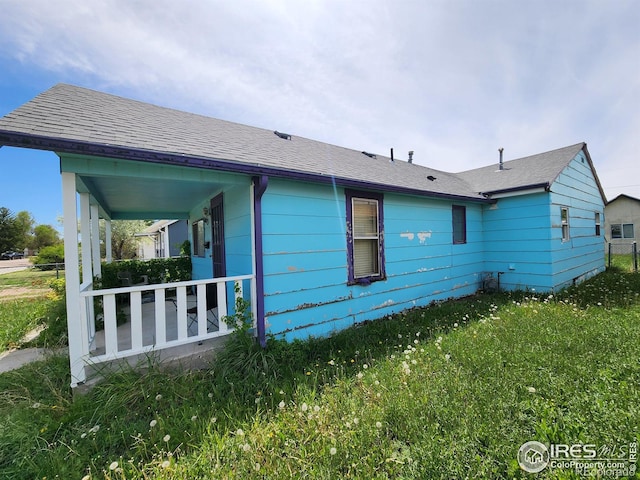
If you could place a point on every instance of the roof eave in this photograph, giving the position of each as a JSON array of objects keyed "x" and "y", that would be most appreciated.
[
  {"x": 532, "y": 186},
  {"x": 59, "y": 145}
]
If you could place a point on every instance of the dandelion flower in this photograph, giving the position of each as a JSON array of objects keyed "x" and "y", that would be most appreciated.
[
  {"x": 158, "y": 397},
  {"x": 113, "y": 465},
  {"x": 304, "y": 407},
  {"x": 447, "y": 356},
  {"x": 359, "y": 375},
  {"x": 256, "y": 467},
  {"x": 246, "y": 447},
  {"x": 153, "y": 423},
  {"x": 281, "y": 404},
  {"x": 316, "y": 408},
  {"x": 240, "y": 432},
  {"x": 166, "y": 438},
  {"x": 333, "y": 451},
  {"x": 84, "y": 435},
  {"x": 194, "y": 418},
  {"x": 94, "y": 429},
  {"x": 210, "y": 395},
  {"x": 378, "y": 425},
  {"x": 531, "y": 389},
  {"x": 165, "y": 464}
]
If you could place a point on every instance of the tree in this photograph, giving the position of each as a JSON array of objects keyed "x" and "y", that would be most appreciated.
[
  {"x": 44, "y": 236},
  {"x": 9, "y": 230},
  {"x": 123, "y": 241},
  {"x": 24, "y": 223}
]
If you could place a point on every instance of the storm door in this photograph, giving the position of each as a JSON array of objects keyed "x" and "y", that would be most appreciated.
[{"x": 217, "y": 238}]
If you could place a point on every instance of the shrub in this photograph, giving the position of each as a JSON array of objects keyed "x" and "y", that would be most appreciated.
[
  {"x": 158, "y": 270},
  {"x": 49, "y": 255}
]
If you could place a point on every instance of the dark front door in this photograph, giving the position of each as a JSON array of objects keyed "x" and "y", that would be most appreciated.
[{"x": 217, "y": 238}]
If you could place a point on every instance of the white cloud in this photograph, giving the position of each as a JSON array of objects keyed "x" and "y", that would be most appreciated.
[{"x": 451, "y": 80}]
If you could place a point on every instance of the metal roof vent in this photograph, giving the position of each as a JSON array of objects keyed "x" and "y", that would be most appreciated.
[
  {"x": 284, "y": 136},
  {"x": 431, "y": 177},
  {"x": 410, "y": 156},
  {"x": 370, "y": 155}
]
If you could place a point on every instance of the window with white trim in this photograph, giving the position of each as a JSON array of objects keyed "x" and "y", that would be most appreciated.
[
  {"x": 364, "y": 237},
  {"x": 564, "y": 220},
  {"x": 622, "y": 230},
  {"x": 597, "y": 221}
]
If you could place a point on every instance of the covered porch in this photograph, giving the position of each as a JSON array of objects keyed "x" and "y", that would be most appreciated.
[{"x": 107, "y": 325}]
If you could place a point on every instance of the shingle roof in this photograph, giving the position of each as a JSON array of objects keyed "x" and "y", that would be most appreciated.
[
  {"x": 535, "y": 170},
  {"x": 68, "y": 118},
  {"x": 76, "y": 114},
  {"x": 624, "y": 195}
]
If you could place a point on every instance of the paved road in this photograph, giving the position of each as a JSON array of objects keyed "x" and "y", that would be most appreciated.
[{"x": 8, "y": 266}]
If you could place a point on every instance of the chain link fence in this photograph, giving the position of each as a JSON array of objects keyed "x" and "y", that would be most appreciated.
[{"x": 623, "y": 255}]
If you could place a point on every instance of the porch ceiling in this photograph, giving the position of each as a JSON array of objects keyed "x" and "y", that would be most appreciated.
[
  {"x": 131, "y": 190},
  {"x": 130, "y": 198}
]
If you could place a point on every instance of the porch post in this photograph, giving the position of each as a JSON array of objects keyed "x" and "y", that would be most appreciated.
[
  {"x": 95, "y": 240},
  {"x": 72, "y": 273},
  {"x": 85, "y": 238},
  {"x": 107, "y": 240}
]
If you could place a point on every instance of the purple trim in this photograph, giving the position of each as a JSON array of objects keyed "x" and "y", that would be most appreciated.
[
  {"x": 37, "y": 142},
  {"x": 352, "y": 280},
  {"x": 260, "y": 186}
]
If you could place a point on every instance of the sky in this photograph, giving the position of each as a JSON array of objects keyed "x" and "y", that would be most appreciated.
[{"x": 452, "y": 80}]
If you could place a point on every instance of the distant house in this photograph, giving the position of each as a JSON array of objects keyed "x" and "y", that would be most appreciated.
[
  {"x": 314, "y": 236},
  {"x": 162, "y": 239},
  {"x": 622, "y": 220}
]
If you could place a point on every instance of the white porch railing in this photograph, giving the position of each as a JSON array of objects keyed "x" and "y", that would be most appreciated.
[{"x": 156, "y": 317}]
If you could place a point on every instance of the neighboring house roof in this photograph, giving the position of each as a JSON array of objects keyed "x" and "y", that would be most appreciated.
[
  {"x": 157, "y": 226},
  {"x": 623, "y": 195},
  {"x": 535, "y": 171},
  {"x": 70, "y": 119}
]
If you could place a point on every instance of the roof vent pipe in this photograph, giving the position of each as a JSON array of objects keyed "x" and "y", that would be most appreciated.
[
  {"x": 392, "y": 155},
  {"x": 501, "y": 164},
  {"x": 410, "y": 156}
]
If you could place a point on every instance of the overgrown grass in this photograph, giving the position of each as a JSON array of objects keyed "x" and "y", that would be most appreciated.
[
  {"x": 30, "y": 277},
  {"x": 449, "y": 391},
  {"x": 22, "y": 315}
]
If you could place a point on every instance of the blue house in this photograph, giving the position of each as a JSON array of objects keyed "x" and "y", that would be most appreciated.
[{"x": 315, "y": 236}]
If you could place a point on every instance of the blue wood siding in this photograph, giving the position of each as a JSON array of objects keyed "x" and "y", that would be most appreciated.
[
  {"x": 237, "y": 206},
  {"x": 305, "y": 258},
  {"x": 523, "y": 234},
  {"x": 517, "y": 233},
  {"x": 581, "y": 256}
]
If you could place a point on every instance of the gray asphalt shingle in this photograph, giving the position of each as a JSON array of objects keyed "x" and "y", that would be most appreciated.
[{"x": 73, "y": 113}]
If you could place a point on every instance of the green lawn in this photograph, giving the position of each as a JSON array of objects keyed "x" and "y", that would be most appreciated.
[
  {"x": 30, "y": 277},
  {"x": 450, "y": 391}
]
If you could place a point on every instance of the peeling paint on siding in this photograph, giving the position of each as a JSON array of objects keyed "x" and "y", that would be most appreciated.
[
  {"x": 422, "y": 236},
  {"x": 407, "y": 235}
]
